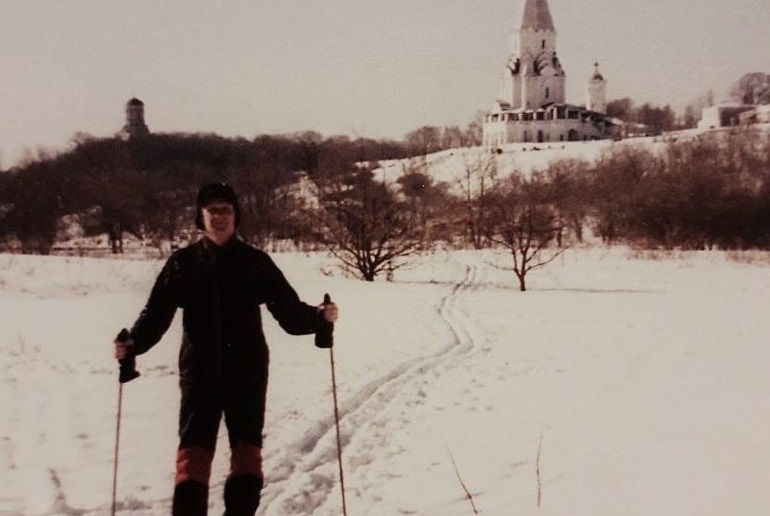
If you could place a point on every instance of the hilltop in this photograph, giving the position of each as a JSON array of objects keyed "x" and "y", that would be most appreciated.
[{"x": 450, "y": 165}]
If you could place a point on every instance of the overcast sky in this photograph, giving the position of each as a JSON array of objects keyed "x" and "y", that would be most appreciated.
[{"x": 376, "y": 68}]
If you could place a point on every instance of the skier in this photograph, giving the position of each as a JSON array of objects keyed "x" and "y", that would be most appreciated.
[{"x": 219, "y": 282}]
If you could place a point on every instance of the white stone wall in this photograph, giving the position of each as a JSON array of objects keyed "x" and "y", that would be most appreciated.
[{"x": 500, "y": 132}]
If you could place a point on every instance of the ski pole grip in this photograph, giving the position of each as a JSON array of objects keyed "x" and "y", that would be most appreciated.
[
  {"x": 324, "y": 336},
  {"x": 128, "y": 364}
]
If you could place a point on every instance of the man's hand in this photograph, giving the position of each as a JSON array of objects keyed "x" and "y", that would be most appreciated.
[
  {"x": 324, "y": 335},
  {"x": 330, "y": 312},
  {"x": 123, "y": 344},
  {"x": 125, "y": 355}
]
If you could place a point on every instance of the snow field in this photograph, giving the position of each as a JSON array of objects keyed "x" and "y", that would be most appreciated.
[{"x": 643, "y": 381}]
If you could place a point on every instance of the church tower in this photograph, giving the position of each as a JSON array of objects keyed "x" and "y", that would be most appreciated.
[
  {"x": 135, "y": 125},
  {"x": 533, "y": 76},
  {"x": 532, "y": 106},
  {"x": 596, "y": 92}
]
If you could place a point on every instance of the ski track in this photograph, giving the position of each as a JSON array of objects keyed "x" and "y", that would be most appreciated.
[
  {"x": 39, "y": 394},
  {"x": 307, "y": 478}
]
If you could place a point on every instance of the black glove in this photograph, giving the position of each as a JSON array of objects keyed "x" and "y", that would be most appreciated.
[
  {"x": 324, "y": 335},
  {"x": 128, "y": 364}
]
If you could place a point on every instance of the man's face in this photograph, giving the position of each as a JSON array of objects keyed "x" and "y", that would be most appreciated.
[{"x": 219, "y": 221}]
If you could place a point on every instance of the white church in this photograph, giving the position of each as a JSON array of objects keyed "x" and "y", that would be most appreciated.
[{"x": 532, "y": 106}]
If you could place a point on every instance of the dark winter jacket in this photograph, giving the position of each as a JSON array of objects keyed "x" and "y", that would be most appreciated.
[{"x": 219, "y": 290}]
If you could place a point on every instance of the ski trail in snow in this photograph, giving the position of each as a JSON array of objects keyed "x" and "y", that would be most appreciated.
[
  {"x": 466, "y": 334},
  {"x": 308, "y": 482}
]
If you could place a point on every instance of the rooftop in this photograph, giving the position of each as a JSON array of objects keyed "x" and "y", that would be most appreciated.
[{"x": 536, "y": 15}]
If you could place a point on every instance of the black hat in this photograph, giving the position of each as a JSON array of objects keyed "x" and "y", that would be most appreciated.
[{"x": 221, "y": 192}]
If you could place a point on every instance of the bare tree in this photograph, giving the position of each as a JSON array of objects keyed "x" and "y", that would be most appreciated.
[
  {"x": 615, "y": 177},
  {"x": 308, "y": 144},
  {"x": 752, "y": 88},
  {"x": 525, "y": 224},
  {"x": 474, "y": 130},
  {"x": 568, "y": 187},
  {"x": 368, "y": 229},
  {"x": 475, "y": 180},
  {"x": 424, "y": 141},
  {"x": 452, "y": 137},
  {"x": 432, "y": 207}
]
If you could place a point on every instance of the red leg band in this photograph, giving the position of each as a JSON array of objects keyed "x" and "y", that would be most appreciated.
[
  {"x": 194, "y": 463},
  {"x": 246, "y": 459}
]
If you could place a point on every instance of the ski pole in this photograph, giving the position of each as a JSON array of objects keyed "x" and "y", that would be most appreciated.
[
  {"x": 324, "y": 338},
  {"x": 127, "y": 373}
]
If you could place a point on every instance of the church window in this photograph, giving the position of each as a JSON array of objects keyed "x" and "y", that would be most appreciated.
[
  {"x": 548, "y": 93},
  {"x": 542, "y": 45}
]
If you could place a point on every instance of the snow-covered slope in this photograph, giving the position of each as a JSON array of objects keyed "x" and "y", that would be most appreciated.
[
  {"x": 613, "y": 386},
  {"x": 451, "y": 166}
]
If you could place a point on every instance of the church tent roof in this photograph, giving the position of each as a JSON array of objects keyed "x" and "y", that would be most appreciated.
[{"x": 536, "y": 15}]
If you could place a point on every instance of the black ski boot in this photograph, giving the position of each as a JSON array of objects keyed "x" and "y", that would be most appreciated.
[
  {"x": 190, "y": 499},
  {"x": 242, "y": 495}
]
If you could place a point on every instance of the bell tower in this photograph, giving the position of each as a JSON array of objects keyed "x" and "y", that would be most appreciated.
[
  {"x": 533, "y": 76},
  {"x": 135, "y": 125},
  {"x": 596, "y": 92}
]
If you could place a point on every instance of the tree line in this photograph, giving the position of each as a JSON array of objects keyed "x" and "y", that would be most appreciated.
[
  {"x": 145, "y": 186},
  {"x": 710, "y": 191},
  {"x": 751, "y": 89}
]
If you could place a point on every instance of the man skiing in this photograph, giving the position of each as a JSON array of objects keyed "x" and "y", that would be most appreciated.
[{"x": 219, "y": 283}]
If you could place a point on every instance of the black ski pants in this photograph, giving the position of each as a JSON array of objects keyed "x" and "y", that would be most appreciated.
[{"x": 240, "y": 398}]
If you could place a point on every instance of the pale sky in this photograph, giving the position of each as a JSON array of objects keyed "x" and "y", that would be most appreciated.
[{"x": 375, "y": 68}]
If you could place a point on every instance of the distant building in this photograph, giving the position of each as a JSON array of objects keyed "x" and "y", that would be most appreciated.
[
  {"x": 723, "y": 115},
  {"x": 532, "y": 107},
  {"x": 135, "y": 125},
  {"x": 596, "y": 92},
  {"x": 758, "y": 115}
]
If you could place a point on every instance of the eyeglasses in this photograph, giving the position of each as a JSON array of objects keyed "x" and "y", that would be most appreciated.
[{"x": 220, "y": 209}]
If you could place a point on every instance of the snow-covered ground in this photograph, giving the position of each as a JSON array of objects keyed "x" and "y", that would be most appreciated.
[
  {"x": 615, "y": 385},
  {"x": 451, "y": 166}
]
